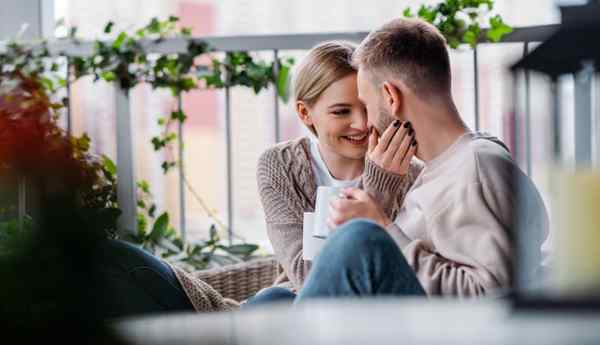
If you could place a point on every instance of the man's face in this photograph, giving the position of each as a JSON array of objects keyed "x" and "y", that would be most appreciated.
[{"x": 379, "y": 116}]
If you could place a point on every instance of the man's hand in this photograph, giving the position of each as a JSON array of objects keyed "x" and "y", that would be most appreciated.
[
  {"x": 355, "y": 203},
  {"x": 394, "y": 150}
]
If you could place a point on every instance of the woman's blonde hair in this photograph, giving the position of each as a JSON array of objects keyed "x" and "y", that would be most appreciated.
[{"x": 325, "y": 64}]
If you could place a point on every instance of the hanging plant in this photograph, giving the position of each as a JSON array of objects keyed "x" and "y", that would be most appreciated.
[
  {"x": 460, "y": 21},
  {"x": 126, "y": 62}
]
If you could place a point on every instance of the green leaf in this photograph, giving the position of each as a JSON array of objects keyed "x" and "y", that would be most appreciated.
[
  {"x": 498, "y": 29},
  {"x": 178, "y": 115},
  {"x": 160, "y": 227},
  {"x": 427, "y": 13},
  {"x": 170, "y": 137},
  {"x": 144, "y": 186},
  {"x": 109, "y": 165},
  {"x": 407, "y": 13},
  {"x": 48, "y": 84},
  {"x": 283, "y": 83},
  {"x": 152, "y": 210},
  {"x": 158, "y": 143},
  {"x": 166, "y": 166},
  {"x": 453, "y": 42},
  {"x": 154, "y": 26},
  {"x": 83, "y": 142},
  {"x": 472, "y": 34},
  {"x": 187, "y": 84},
  {"x": 119, "y": 41},
  {"x": 470, "y": 37},
  {"x": 186, "y": 32},
  {"x": 214, "y": 236},
  {"x": 241, "y": 249},
  {"x": 60, "y": 23},
  {"x": 73, "y": 32},
  {"x": 108, "y": 76},
  {"x": 108, "y": 27}
]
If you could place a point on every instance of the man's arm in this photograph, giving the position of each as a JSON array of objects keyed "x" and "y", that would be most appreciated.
[{"x": 469, "y": 253}]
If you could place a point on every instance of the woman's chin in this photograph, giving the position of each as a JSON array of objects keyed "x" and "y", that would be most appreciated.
[{"x": 353, "y": 152}]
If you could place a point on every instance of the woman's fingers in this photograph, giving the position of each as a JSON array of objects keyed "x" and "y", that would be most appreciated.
[
  {"x": 397, "y": 146},
  {"x": 404, "y": 160},
  {"x": 373, "y": 139},
  {"x": 386, "y": 138},
  {"x": 402, "y": 146}
]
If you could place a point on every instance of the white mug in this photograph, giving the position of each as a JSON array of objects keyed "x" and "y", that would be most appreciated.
[{"x": 324, "y": 196}]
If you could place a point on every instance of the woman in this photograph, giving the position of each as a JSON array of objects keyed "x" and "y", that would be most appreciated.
[{"x": 289, "y": 173}]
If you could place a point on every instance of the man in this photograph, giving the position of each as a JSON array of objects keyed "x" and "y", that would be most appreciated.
[{"x": 452, "y": 235}]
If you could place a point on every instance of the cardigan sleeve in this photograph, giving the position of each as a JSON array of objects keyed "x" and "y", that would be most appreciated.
[
  {"x": 283, "y": 209},
  {"x": 387, "y": 187}
]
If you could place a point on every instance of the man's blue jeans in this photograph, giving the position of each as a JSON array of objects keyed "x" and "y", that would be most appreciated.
[{"x": 360, "y": 259}]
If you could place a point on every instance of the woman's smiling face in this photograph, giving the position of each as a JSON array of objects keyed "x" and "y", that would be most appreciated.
[{"x": 340, "y": 119}]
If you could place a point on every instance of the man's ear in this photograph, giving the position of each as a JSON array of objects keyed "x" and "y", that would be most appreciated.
[
  {"x": 392, "y": 97},
  {"x": 304, "y": 113}
]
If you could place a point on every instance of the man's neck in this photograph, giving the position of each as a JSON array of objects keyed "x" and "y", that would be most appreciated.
[
  {"x": 340, "y": 167},
  {"x": 437, "y": 127}
]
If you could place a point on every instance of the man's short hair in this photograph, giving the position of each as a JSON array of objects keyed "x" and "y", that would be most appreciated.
[{"x": 411, "y": 50}]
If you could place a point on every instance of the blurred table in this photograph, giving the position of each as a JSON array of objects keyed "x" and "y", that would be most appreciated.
[{"x": 381, "y": 321}]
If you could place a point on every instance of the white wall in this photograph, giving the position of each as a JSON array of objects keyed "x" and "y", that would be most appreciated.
[{"x": 38, "y": 14}]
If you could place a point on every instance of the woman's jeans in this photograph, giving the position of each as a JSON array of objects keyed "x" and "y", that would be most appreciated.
[
  {"x": 132, "y": 281},
  {"x": 360, "y": 259}
]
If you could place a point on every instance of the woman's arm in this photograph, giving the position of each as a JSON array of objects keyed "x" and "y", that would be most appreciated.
[
  {"x": 284, "y": 212},
  {"x": 390, "y": 169},
  {"x": 388, "y": 188}
]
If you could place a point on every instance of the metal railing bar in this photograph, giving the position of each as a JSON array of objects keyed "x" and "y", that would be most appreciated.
[
  {"x": 527, "y": 114},
  {"x": 181, "y": 161},
  {"x": 476, "y": 87},
  {"x": 270, "y": 42},
  {"x": 229, "y": 162},
  {"x": 276, "y": 119}
]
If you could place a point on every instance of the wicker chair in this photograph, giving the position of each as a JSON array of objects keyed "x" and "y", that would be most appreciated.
[{"x": 243, "y": 280}]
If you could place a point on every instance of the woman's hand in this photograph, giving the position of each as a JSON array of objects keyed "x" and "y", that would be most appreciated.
[
  {"x": 355, "y": 203},
  {"x": 394, "y": 150}
]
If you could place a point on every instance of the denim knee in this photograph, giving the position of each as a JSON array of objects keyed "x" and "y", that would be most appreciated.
[
  {"x": 361, "y": 234},
  {"x": 270, "y": 295}
]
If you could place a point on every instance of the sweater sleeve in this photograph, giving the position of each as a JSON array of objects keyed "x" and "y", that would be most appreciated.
[
  {"x": 386, "y": 187},
  {"x": 283, "y": 209}
]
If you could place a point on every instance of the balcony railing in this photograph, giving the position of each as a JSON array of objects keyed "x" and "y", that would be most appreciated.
[{"x": 277, "y": 44}]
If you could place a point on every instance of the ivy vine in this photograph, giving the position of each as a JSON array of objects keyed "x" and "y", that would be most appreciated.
[
  {"x": 460, "y": 21},
  {"x": 126, "y": 62}
]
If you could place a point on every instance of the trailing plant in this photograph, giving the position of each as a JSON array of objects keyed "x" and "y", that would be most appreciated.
[
  {"x": 460, "y": 21},
  {"x": 125, "y": 61}
]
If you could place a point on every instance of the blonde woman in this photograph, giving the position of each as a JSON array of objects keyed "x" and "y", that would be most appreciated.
[{"x": 327, "y": 102}]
